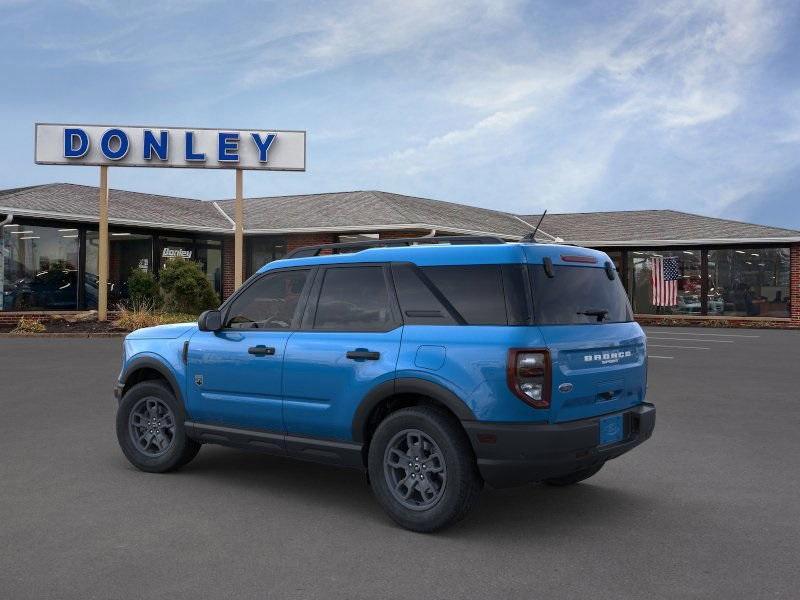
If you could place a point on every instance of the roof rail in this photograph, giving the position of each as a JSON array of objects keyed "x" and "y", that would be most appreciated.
[{"x": 307, "y": 251}]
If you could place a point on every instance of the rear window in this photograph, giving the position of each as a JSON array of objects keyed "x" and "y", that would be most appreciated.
[{"x": 578, "y": 295}]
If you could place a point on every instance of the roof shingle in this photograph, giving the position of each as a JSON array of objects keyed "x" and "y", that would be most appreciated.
[{"x": 651, "y": 226}]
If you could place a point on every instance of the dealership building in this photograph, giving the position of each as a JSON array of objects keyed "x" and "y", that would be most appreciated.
[{"x": 727, "y": 270}]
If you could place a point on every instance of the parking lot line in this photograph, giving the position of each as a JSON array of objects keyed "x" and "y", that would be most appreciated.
[
  {"x": 736, "y": 335},
  {"x": 671, "y": 339},
  {"x": 666, "y": 346},
  {"x": 654, "y": 356}
]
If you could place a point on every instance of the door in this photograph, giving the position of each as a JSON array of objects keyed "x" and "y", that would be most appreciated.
[
  {"x": 235, "y": 374},
  {"x": 348, "y": 344}
]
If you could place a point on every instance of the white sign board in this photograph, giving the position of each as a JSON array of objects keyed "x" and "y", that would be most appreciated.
[{"x": 189, "y": 148}]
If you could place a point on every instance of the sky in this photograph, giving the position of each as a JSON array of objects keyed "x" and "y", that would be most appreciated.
[{"x": 562, "y": 105}]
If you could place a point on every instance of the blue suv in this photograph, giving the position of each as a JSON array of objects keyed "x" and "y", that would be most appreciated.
[{"x": 434, "y": 365}]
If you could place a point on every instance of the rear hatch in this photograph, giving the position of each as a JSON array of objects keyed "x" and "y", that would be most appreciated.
[{"x": 597, "y": 352}]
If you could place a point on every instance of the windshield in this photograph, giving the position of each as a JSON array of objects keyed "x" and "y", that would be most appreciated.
[{"x": 578, "y": 295}]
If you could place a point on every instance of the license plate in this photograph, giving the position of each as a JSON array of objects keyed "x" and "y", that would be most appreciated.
[{"x": 610, "y": 429}]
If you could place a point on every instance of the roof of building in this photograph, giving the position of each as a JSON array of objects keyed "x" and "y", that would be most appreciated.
[
  {"x": 79, "y": 203},
  {"x": 637, "y": 227},
  {"x": 368, "y": 211},
  {"x": 372, "y": 210}
]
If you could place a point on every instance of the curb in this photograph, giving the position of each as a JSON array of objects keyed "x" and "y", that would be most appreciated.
[{"x": 63, "y": 335}]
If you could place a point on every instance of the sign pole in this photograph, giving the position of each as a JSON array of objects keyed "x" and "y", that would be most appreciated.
[
  {"x": 102, "y": 259},
  {"x": 238, "y": 255}
]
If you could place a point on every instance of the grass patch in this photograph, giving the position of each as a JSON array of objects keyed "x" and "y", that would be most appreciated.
[{"x": 143, "y": 315}]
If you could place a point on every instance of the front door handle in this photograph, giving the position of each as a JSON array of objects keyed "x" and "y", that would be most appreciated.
[
  {"x": 261, "y": 350},
  {"x": 362, "y": 354}
]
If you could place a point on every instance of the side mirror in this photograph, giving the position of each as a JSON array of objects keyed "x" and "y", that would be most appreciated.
[{"x": 210, "y": 320}]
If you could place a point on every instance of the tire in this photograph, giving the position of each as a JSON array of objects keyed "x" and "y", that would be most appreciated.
[
  {"x": 169, "y": 448},
  {"x": 574, "y": 477},
  {"x": 453, "y": 483}
]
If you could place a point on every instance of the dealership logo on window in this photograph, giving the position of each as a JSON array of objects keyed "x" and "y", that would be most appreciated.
[{"x": 176, "y": 253}]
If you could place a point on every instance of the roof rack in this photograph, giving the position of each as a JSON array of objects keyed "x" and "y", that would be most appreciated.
[{"x": 307, "y": 251}]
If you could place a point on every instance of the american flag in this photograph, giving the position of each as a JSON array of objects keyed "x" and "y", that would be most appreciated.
[{"x": 664, "y": 277}]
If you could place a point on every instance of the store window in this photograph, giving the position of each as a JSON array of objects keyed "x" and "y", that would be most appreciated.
[
  {"x": 39, "y": 268},
  {"x": 209, "y": 255},
  {"x": 261, "y": 250},
  {"x": 749, "y": 282},
  {"x": 666, "y": 281},
  {"x": 128, "y": 252},
  {"x": 176, "y": 247}
]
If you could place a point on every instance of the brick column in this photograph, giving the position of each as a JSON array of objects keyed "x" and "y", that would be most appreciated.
[
  {"x": 228, "y": 265},
  {"x": 794, "y": 283}
]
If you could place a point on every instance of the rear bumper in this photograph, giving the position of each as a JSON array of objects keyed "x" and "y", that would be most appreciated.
[{"x": 516, "y": 453}]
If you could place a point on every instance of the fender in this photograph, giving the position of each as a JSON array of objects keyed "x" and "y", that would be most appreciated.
[
  {"x": 150, "y": 362},
  {"x": 407, "y": 385}
]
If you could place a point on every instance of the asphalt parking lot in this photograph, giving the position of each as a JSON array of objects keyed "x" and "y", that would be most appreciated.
[{"x": 708, "y": 508}]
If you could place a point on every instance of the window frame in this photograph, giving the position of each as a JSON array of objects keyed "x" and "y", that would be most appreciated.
[
  {"x": 310, "y": 312},
  {"x": 225, "y": 308}
]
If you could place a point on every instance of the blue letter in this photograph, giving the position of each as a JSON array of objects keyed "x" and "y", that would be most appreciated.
[
  {"x": 228, "y": 141},
  {"x": 159, "y": 146},
  {"x": 190, "y": 153},
  {"x": 105, "y": 144},
  {"x": 70, "y": 136},
  {"x": 263, "y": 145}
]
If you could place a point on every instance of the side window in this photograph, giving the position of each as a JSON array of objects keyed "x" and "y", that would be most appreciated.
[
  {"x": 417, "y": 302},
  {"x": 354, "y": 299},
  {"x": 476, "y": 292},
  {"x": 269, "y": 303}
]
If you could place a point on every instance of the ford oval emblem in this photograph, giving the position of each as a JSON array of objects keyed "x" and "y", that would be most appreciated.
[{"x": 565, "y": 387}]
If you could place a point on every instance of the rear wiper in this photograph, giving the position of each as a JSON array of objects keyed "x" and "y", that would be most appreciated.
[{"x": 600, "y": 313}]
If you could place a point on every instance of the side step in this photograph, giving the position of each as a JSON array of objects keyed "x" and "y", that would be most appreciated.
[{"x": 331, "y": 452}]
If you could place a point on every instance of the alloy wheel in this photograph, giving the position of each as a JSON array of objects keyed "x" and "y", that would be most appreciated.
[{"x": 415, "y": 470}]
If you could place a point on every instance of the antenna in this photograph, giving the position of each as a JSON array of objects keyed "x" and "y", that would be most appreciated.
[{"x": 531, "y": 237}]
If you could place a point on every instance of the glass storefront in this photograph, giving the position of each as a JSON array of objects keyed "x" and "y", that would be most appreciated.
[
  {"x": 208, "y": 253},
  {"x": 48, "y": 268},
  {"x": 39, "y": 269},
  {"x": 127, "y": 252},
  {"x": 261, "y": 250},
  {"x": 749, "y": 282},
  {"x": 665, "y": 282}
]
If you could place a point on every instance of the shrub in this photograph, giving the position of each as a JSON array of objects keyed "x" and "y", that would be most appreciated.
[
  {"x": 185, "y": 288},
  {"x": 143, "y": 289},
  {"x": 28, "y": 325}
]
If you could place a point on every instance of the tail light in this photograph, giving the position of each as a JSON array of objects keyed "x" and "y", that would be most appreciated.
[{"x": 529, "y": 376}]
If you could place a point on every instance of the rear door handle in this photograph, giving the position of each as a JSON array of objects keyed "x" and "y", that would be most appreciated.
[
  {"x": 362, "y": 354},
  {"x": 261, "y": 350}
]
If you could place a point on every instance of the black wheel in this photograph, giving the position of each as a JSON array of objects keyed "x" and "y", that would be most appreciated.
[
  {"x": 150, "y": 429},
  {"x": 422, "y": 469},
  {"x": 574, "y": 477}
]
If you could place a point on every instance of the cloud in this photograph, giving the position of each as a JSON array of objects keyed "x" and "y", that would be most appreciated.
[{"x": 476, "y": 143}]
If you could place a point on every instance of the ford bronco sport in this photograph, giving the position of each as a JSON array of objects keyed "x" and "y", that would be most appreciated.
[{"x": 435, "y": 365}]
